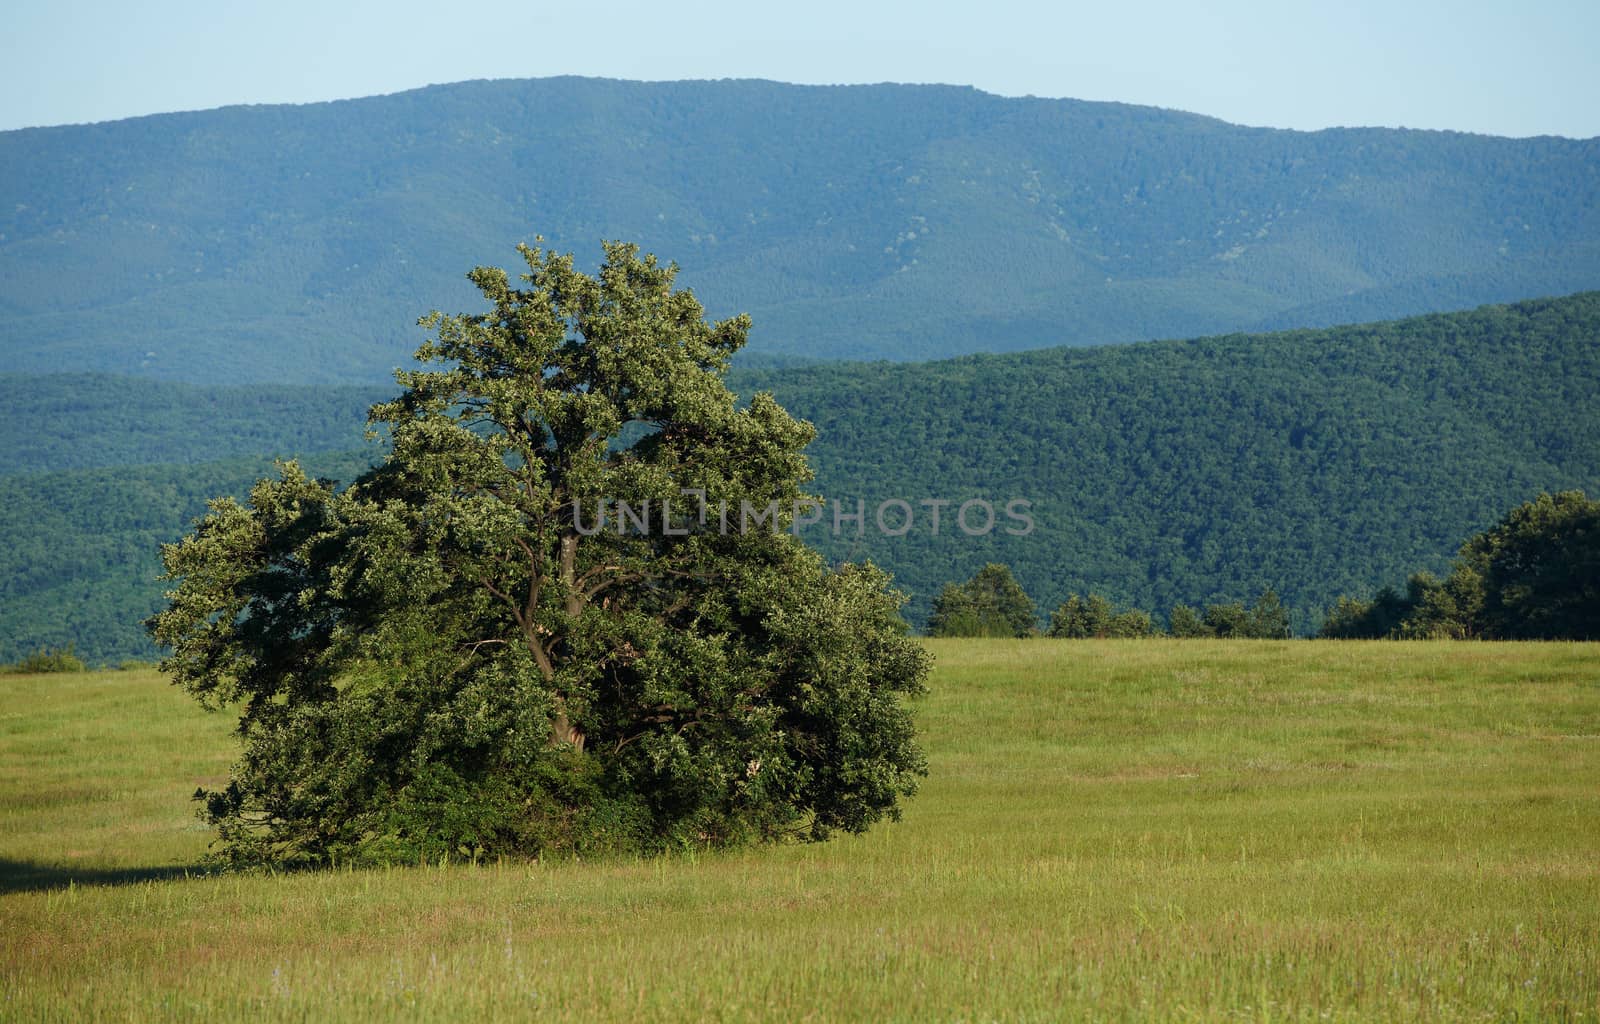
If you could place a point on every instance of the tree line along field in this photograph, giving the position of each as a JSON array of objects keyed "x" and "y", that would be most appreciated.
[{"x": 1110, "y": 830}]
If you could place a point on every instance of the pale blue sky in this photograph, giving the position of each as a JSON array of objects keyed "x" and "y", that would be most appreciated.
[{"x": 1504, "y": 68}]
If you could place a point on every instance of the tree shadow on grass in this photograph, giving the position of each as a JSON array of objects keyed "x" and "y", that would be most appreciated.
[{"x": 25, "y": 876}]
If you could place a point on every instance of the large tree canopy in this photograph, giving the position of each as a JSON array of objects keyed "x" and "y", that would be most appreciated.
[{"x": 457, "y": 654}]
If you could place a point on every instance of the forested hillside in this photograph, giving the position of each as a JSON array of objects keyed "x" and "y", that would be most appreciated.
[
  {"x": 1315, "y": 462},
  {"x": 1319, "y": 463},
  {"x": 78, "y": 421},
  {"x": 84, "y": 547},
  {"x": 298, "y": 244}
]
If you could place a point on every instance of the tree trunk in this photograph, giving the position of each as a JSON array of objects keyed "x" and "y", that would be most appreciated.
[{"x": 561, "y": 729}]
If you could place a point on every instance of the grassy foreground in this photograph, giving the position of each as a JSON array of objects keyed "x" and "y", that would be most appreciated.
[{"x": 1113, "y": 830}]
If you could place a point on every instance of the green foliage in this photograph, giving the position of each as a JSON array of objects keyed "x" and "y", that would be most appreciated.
[
  {"x": 1538, "y": 570},
  {"x": 992, "y": 603},
  {"x": 84, "y": 420},
  {"x": 82, "y": 557},
  {"x": 1266, "y": 619},
  {"x": 1200, "y": 472},
  {"x": 1185, "y": 623},
  {"x": 441, "y": 660},
  {"x": 1269, "y": 619},
  {"x": 1320, "y": 463},
  {"x": 1095, "y": 617},
  {"x": 904, "y": 222},
  {"x": 1441, "y": 609},
  {"x": 1383, "y": 616},
  {"x": 56, "y": 659},
  {"x": 1535, "y": 575}
]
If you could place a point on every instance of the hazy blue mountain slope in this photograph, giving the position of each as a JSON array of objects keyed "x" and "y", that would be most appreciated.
[{"x": 298, "y": 244}]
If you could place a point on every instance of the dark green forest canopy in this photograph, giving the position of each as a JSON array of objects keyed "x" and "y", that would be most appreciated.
[
  {"x": 83, "y": 547},
  {"x": 1317, "y": 463},
  {"x": 80, "y": 421},
  {"x": 273, "y": 243},
  {"x": 1534, "y": 575},
  {"x": 1209, "y": 470}
]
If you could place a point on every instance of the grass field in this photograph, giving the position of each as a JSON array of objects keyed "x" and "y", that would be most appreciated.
[{"x": 1112, "y": 830}]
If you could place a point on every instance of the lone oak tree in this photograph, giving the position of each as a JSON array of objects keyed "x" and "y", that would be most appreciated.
[{"x": 456, "y": 656}]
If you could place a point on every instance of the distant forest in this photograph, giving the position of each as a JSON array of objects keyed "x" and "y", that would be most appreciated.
[
  {"x": 1319, "y": 463},
  {"x": 1534, "y": 575},
  {"x": 85, "y": 548},
  {"x": 1315, "y": 463},
  {"x": 278, "y": 244},
  {"x": 81, "y": 421}
]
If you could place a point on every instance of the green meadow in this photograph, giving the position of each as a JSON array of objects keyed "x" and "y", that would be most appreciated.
[{"x": 1111, "y": 830}]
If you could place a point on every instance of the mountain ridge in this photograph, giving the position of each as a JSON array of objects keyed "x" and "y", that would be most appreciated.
[
  {"x": 299, "y": 243},
  {"x": 738, "y": 80}
]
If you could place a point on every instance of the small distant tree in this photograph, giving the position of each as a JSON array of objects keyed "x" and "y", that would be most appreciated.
[
  {"x": 1269, "y": 619},
  {"x": 1132, "y": 624},
  {"x": 1437, "y": 609},
  {"x": 1348, "y": 619},
  {"x": 459, "y": 655},
  {"x": 1077, "y": 618},
  {"x": 1095, "y": 616},
  {"x": 49, "y": 659},
  {"x": 1228, "y": 621},
  {"x": 992, "y": 603},
  {"x": 954, "y": 613},
  {"x": 1186, "y": 623},
  {"x": 1353, "y": 619},
  {"x": 1266, "y": 619}
]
